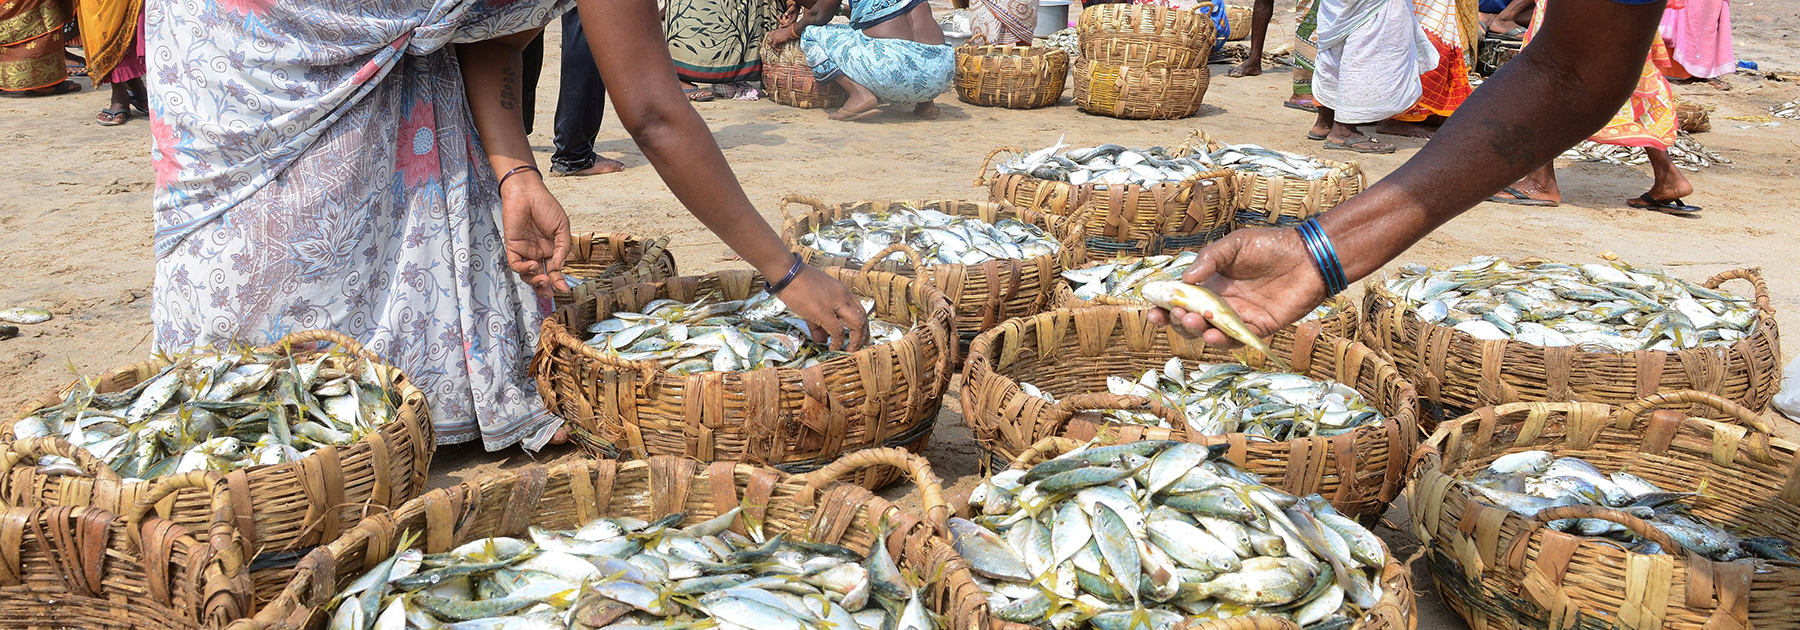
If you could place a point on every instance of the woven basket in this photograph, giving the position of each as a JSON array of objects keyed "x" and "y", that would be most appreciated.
[
  {"x": 282, "y": 510},
  {"x": 1396, "y": 610},
  {"x": 793, "y": 419},
  {"x": 1340, "y": 323},
  {"x": 1127, "y": 219},
  {"x": 1138, "y": 92},
  {"x": 1503, "y": 571},
  {"x": 1145, "y": 34},
  {"x": 1458, "y": 372},
  {"x": 615, "y": 260},
  {"x": 85, "y": 567},
  {"x": 1071, "y": 352},
  {"x": 1015, "y": 77},
  {"x": 788, "y": 79},
  {"x": 1693, "y": 117},
  {"x": 1264, "y": 201},
  {"x": 983, "y": 295},
  {"x": 801, "y": 507},
  {"x": 1237, "y": 20}
]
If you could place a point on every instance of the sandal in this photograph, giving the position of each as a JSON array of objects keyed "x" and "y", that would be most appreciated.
[
  {"x": 1513, "y": 34},
  {"x": 1518, "y": 198},
  {"x": 1365, "y": 144},
  {"x": 1312, "y": 109},
  {"x": 697, "y": 94},
  {"x": 1673, "y": 206},
  {"x": 1314, "y": 135},
  {"x": 114, "y": 117}
]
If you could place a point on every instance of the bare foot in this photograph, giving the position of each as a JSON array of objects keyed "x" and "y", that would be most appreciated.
[
  {"x": 1532, "y": 190},
  {"x": 927, "y": 110},
  {"x": 1403, "y": 128},
  {"x": 561, "y": 436},
  {"x": 1347, "y": 138},
  {"x": 859, "y": 102},
  {"x": 1671, "y": 190},
  {"x": 1250, "y": 68},
  {"x": 601, "y": 166}
]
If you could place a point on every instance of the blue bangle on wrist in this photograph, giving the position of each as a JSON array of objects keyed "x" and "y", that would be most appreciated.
[
  {"x": 1324, "y": 256},
  {"x": 793, "y": 271}
]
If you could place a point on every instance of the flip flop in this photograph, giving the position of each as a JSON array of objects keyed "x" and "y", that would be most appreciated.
[
  {"x": 1314, "y": 135},
  {"x": 697, "y": 94},
  {"x": 1519, "y": 198},
  {"x": 1351, "y": 145},
  {"x": 871, "y": 112},
  {"x": 1673, "y": 207},
  {"x": 1292, "y": 105},
  {"x": 114, "y": 117}
]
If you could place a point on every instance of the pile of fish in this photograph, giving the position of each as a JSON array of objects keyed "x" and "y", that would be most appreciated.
[
  {"x": 1528, "y": 482},
  {"x": 1067, "y": 40},
  {"x": 939, "y": 238},
  {"x": 711, "y": 334},
  {"x": 20, "y": 315},
  {"x": 218, "y": 411},
  {"x": 1790, "y": 109},
  {"x": 1125, "y": 278},
  {"x": 1269, "y": 163},
  {"x": 1233, "y": 398},
  {"x": 1153, "y": 535},
  {"x": 626, "y": 574},
  {"x": 1687, "y": 153},
  {"x": 1600, "y": 308},
  {"x": 1108, "y": 164}
]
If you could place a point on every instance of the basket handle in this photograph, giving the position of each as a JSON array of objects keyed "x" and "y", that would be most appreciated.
[
  {"x": 931, "y": 489},
  {"x": 799, "y": 200},
  {"x": 222, "y": 532},
  {"x": 1636, "y": 525},
  {"x": 339, "y": 339},
  {"x": 912, "y": 256},
  {"x": 1739, "y": 413},
  {"x": 981, "y": 178},
  {"x": 1044, "y": 449},
  {"x": 1752, "y": 276},
  {"x": 1065, "y": 409},
  {"x": 29, "y": 450}
]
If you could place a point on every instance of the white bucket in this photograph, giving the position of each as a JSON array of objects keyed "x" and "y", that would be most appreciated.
[{"x": 1053, "y": 16}]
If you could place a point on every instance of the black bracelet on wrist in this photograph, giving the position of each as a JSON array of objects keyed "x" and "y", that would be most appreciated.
[
  {"x": 793, "y": 272},
  {"x": 1324, "y": 256},
  {"x": 515, "y": 171}
]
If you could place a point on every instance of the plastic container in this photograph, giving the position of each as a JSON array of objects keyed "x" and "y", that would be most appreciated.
[{"x": 1053, "y": 16}]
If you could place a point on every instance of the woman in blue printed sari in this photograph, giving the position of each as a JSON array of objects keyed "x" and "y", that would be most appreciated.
[{"x": 891, "y": 51}]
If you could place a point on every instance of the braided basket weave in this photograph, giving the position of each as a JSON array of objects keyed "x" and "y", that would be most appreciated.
[
  {"x": 1238, "y": 21},
  {"x": 282, "y": 510},
  {"x": 1265, "y": 201},
  {"x": 788, "y": 79},
  {"x": 1502, "y": 571},
  {"x": 1146, "y": 34},
  {"x": 802, "y": 507},
  {"x": 1015, "y": 77},
  {"x": 1068, "y": 353},
  {"x": 1458, "y": 372},
  {"x": 1124, "y": 219},
  {"x": 85, "y": 567},
  {"x": 615, "y": 260},
  {"x": 1150, "y": 92},
  {"x": 793, "y": 419}
]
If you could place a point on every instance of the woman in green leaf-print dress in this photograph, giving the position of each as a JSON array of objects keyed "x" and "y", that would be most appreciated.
[{"x": 716, "y": 41}]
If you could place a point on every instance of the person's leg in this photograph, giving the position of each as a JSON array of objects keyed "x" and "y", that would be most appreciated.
[
  {"x": 533, "y": 59},
  {"x": 580, "y": 106},
  {"x": 1346, "y": 137},
  {"x": 927, "y": 110},
  {"x": 1261, "y": 12},
  {"x": 1516, "y": 15},
  {"x": 860, "y": 103},
  {"x": 1321, "y": 124},
  {"x": 119, "y": 110},
  {"x": 1671, "y": 186},
  {"x": 1412, "y": 129},
  {"x": 1538, "y": 188}
]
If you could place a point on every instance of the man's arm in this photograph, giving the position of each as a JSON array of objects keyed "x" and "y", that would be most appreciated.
[{"x": 1581, "y": 66}]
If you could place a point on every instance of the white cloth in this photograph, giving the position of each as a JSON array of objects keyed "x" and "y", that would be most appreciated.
[{"x": 1371, "y": 53}]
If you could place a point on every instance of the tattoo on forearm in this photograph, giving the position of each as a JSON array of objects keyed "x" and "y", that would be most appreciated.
[
  {"x": 509, "y": 98},
  {"x": 1512, "y": 143}
]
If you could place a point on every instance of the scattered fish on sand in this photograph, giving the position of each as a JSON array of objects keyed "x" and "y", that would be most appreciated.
[{"x": 24, "y": 315}]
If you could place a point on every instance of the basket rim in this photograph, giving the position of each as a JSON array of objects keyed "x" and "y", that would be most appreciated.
[
  {"x": 1066, "y": 244},
  {"x": 1340, "y": 169}
]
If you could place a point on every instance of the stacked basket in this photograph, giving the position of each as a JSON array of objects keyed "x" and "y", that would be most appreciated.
[
  {"x": 601, "y": 260},
  {"x": 1142, "y": 61},
  {"x": 788, "y": 79},
  {"x": 1014, "y": 77}
]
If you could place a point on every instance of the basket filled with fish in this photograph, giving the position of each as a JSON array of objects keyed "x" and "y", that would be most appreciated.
[
  {"x": 1540, "y": 515},
  {"x": 1153, "y": 92},
  {"x": 1014, "y": 77},
  {"x": 713, "y": 367},
  {"x": 1120, "y": 282},
  {"x": 789, "y": 80},
  {"x": 88, "y": 567},
  {"x": 1169, "y": 536},
  {"x": 310, "y": 441},
  {"x": 1128, "y": 201},
  {"x": 1315, "y": 414},
  {"x": 1277, "y": 188},
  {"x": 993, "y": 261},
  {"x": 1490, "y": 331},
  {"x": 612, "y": 260},
  {"x": 1142, "y": 35},
  {"x": 664, "y": 543}
]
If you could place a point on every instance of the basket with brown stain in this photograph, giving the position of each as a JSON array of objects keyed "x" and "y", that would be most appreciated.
[
  {"x": 1124, "y": 219},
  {"x": 610, "y": 260},
  {"x": 809, "y": 507},
  {"x": 1143, "y": 34},
  {"x": 788, "y": 79},
  {"x": 984, "y": 294},
  {"x": 1457, "y": 372},
  {"x": 1014, "y": 77},
  {"x": 794, "y": 419},
  {"x": 1152, "y": 92},
  {"x": 1276, "y": 201},
  {"x": 86, "y": 567},
  {"x": 282, "y": 510},
  {"x": 1502, "y": 571},
  {"x": 1068, "y": 353},
  {"x": 1395, "y": 610}
]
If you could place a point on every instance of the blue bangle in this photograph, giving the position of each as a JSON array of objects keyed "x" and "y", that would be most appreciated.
[
  {"x": 791, "y": 274},
  {"x": 1324, "y": 256}
]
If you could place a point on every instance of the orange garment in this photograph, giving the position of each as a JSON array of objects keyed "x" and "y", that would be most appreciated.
[
  {"x": 1648, "y": 119},
  {"x": 108, "y": 32},
  {"x": 1447, "y": 85}
]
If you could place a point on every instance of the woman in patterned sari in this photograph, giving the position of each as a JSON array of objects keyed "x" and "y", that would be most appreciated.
[
  {"x": 716, "y": 42},
  {"x": 1647, "y": 120},
  {"x": 363, "y": 166},
  {"x": 891, "y": 51},
  {"x": 31, "y": 48}
]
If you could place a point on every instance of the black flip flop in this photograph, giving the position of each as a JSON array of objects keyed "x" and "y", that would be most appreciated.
[
  {"x": 1314, "y": 135},
  {"x": 1350, "y": 145},
  {"x": 1292, "y": 105},
  {"x": 1520, "y": 199},
  {"x": 1673, "y": 207},
  {"x": 115, "y": 117}
]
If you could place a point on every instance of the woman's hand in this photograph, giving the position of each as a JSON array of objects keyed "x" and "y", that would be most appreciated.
[
  {"x": 1265, "y": 275},
  {"x": 536, "y": 230},
  {"x": 784, "y": 35},
  {"x": 833, "y": 314}
]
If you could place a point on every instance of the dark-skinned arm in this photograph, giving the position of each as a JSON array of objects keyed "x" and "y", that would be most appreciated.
[
  {"x": 1581, "y": 66},
  {"x": 817, "y": 13},
  {"x": 628, "y": 44}
]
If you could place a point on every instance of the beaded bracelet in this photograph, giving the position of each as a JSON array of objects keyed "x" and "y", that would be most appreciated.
[
  {"x": 792, "y": 273},
  {"x": 1324, "y": 256}
]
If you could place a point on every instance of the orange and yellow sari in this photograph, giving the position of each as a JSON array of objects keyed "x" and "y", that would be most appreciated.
[
  {"x": 31, "y": 44},
  {"x": 1453, "y": 26},
  {"x": 109, "y": 36},
  {"x": 1648, "y": 119}
]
